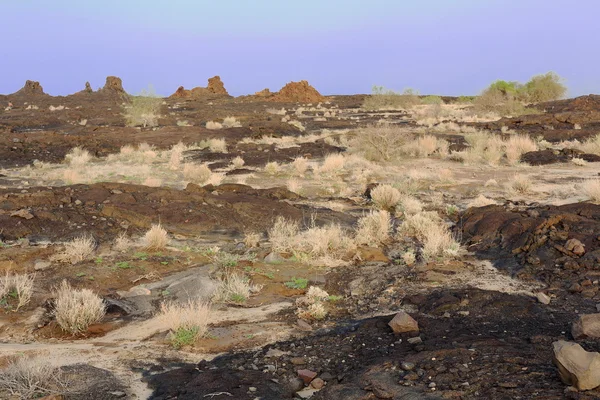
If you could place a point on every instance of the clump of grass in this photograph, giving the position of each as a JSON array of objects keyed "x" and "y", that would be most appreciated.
[
  {"x": 591, "y": 189},
  {"x": 76, "y": 309},
  {"x": 78, "y": 157},
  {"x": 143, "y": 109},
  {"x": 29, "y": 378},
  {"x": 520, "y": 184},
  {"x": 77, "y": 250},
  {"x": 252, "y": 239},
  {"x": 122, "y": 243},
  {"x": 194, "y": 173},
  {"x": 383, "y": 142},
  {"x": 272, "y": 168},
  {"x": 238, "y": 162},
  {"x": 385, "y": 197},
  {"x": 156, "y": 238},
  {"x": 480, "y": 201},
  {"x": 410, "y": 205},
  {"x": 297, "y": 283},
  {"x": 297, "y": 124},
  {"x": 234, "y": 288},
  {"x": 517, "y": 146},
  {"x": 300, "y": 165},
  {"x": 333, "y": 164},
  {"x": 214, "y": 125},
  {"x": 311, "y": 306},
  {"x": 430, "y": 230},
  {"x": 18, "y": 286},
  {"x": 187, "y": 322},
  {"x": 231, "y": 122},
  {"x": 374, "y": 228},
  {"x": 591, "y": 145}
]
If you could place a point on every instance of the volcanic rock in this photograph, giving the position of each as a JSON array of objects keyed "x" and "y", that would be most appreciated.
[
  {"x": 575, "y": 246},
  {"x": 113, "y": 84},
  {"x": 88, "y": 88},
  {"x": 576, "y": 366},
  {"x": 587, "y": 326},
  {"x": 306, "y": 375},
  {"x": 215, "y": 86},
  {"x": 402, "y": 323},
  {"x": 263, "y": 93},
  {"x": 298, "y": 92},
  {"x": 31, "y": 88}
]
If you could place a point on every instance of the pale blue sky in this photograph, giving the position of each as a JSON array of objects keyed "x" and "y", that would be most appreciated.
[{"x": 449, "y": 47}]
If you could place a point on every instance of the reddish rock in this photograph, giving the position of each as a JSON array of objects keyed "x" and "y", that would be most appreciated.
[
  {"x": 113, "y": 85},
  {"x": 317, "y": 383},
  {"x": 298, "y": 92},
  {"x": 263, "y": 93},
  {"x": 402, "y": 323},
  {"x": 306, "y": 375},
  {"x": 215, "y": 85}
]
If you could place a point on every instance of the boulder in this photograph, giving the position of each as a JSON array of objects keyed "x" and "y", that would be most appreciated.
[
  {"x": 576, "y": 366},
  {"x": 306, "y": 375},
  {"x": 575, "y": 246},
  {"x": 402, "y": 323},
  {"x": 587, "y": 326}
]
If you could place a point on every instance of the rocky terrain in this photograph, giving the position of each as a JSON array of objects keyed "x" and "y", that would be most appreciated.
[{"x": 422, "y": 252}]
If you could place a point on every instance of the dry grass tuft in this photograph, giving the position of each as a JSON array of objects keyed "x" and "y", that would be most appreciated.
[
  {"x": 30, "y": 378},
  {"x": 123, "y": 243},
  {"x": 410, "y": 206},
  {"x": 520, "y": 184},
  {"x": 480, "y": 201},
  {"x": 19, "y": 286},
  {"x": 214, "y": 125},
  {"x": 198, "y": 174},
  {"x": 434, "y": 235},
  {"x": 374, "y": 228},
  {"x": 77, "y": 250},
  {"x": 143, "y": 110},
  {"x": 75, "y": 310},
  {"x": 297, "y": 124},
  {"x": 385, "y": 197},
  {"x": 300, "y": 165},
  {"x": 591, "y": 188},
  {"x": 156, "y": 238},
  {"x": 383, "y": 142},
  {"x": 252, "y": 239},
  {"x": 516, "y": 146},
  {"x": 333, "y": 164},
  {"x": 272, "y": 168},
  {"x": 580, "y": 162},
  {"x": 189, "y": 319},
  {"x": 234, "y": 288},
  {"x": 78, "y": 157},
  {"x": 231, "y": 122},
  {"x": 238, "y": 162}
]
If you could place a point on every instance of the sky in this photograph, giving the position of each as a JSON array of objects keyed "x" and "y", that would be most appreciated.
[{"x": 445, "y": 47}]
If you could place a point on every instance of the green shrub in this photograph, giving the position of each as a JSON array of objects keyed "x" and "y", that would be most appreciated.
[
  {"x": 382, "y": 98},
  {"x": 546, "y": 87},
  {"x": 297, "y": 283},
  {"x": 432, "y": 100},
  {"x": 465, "y": 99}
]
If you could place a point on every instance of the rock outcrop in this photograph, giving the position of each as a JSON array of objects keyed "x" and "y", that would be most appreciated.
[
  {"x": 113, "y": 85},
  {"x": 215, "y": 87},
  {"x": 587, "y": 326},
  {"x": 31, "y": 88},
  {"x": 298, "y": 92}
]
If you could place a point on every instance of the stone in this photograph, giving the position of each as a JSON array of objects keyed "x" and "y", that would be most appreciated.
[
  {"x": 118, "y": 394},
  {"x": 298, "y": 360},
  {"x": 306, "y": 393},
  {"x": 402, "y": 323},
  {"x": 415, "y": 340},
  {"x": 326, "y": 376},
  {"x": 23, "y": 213},
  {"x": 40, "y": 265},
  {"x": 274, "y": 258},
  {"x": 295, "y": 384},
  {"x": 575, "y": 246},
  {"x": 306, "y": 375},
  {"x": 587, "y": 326},
  {"x": 407, "y": 366},
  {"x": 317, "y": 383},
  {"x": 543, "y": 298},
  {"x": 304, "y": 326},
  {"x": 276, "y": 353},
  {"x": 576, "y": 366}
]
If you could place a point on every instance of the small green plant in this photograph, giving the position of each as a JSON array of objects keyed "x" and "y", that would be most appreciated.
[
  {"x": 227, "y": 260},
  {"x": 98, "y": 260},
  {"x": 123, "y": 265},
  {"x": 465, "y": 99},
  {"x": 297, "y": 283},
  {"x": 164, "y": 262},
  {"x": 237, "y": 298},
  {"x": 80, "y": 274},
  {"x": 334, "y": 298},
  {"x": 451, "y": 209},
  {"x": 184, "y": 337},
  {"x": 141, "y": 255}
]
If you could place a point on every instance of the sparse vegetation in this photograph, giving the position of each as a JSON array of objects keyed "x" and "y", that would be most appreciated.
[
  {"x": 29, "y": 378},
  {"x": 187, "y": 321},
  {"x": 385, "y": 99},
  {"x": 385, "y": 197},
  {"x": 156, "y": 238},
  {"x": 76, "y": 309},
  {"x": 297, "y": 283},
  {"x": 143, "y": 109},
  {"x": 234, "y": 288},
  {"x": 77, "y": 250},
  {"x": 591, "y": 189},
  {"x": 374, "y": 228},
  {"x": 381, "y": 142},
  {"x": 17, "y": 286}
]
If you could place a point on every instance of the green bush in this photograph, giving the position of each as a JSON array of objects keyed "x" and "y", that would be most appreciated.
[
  {"x": 432, "y": 100},
  {"x": 546, "y": 87},
  {"x": 382, "y": 98}
]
